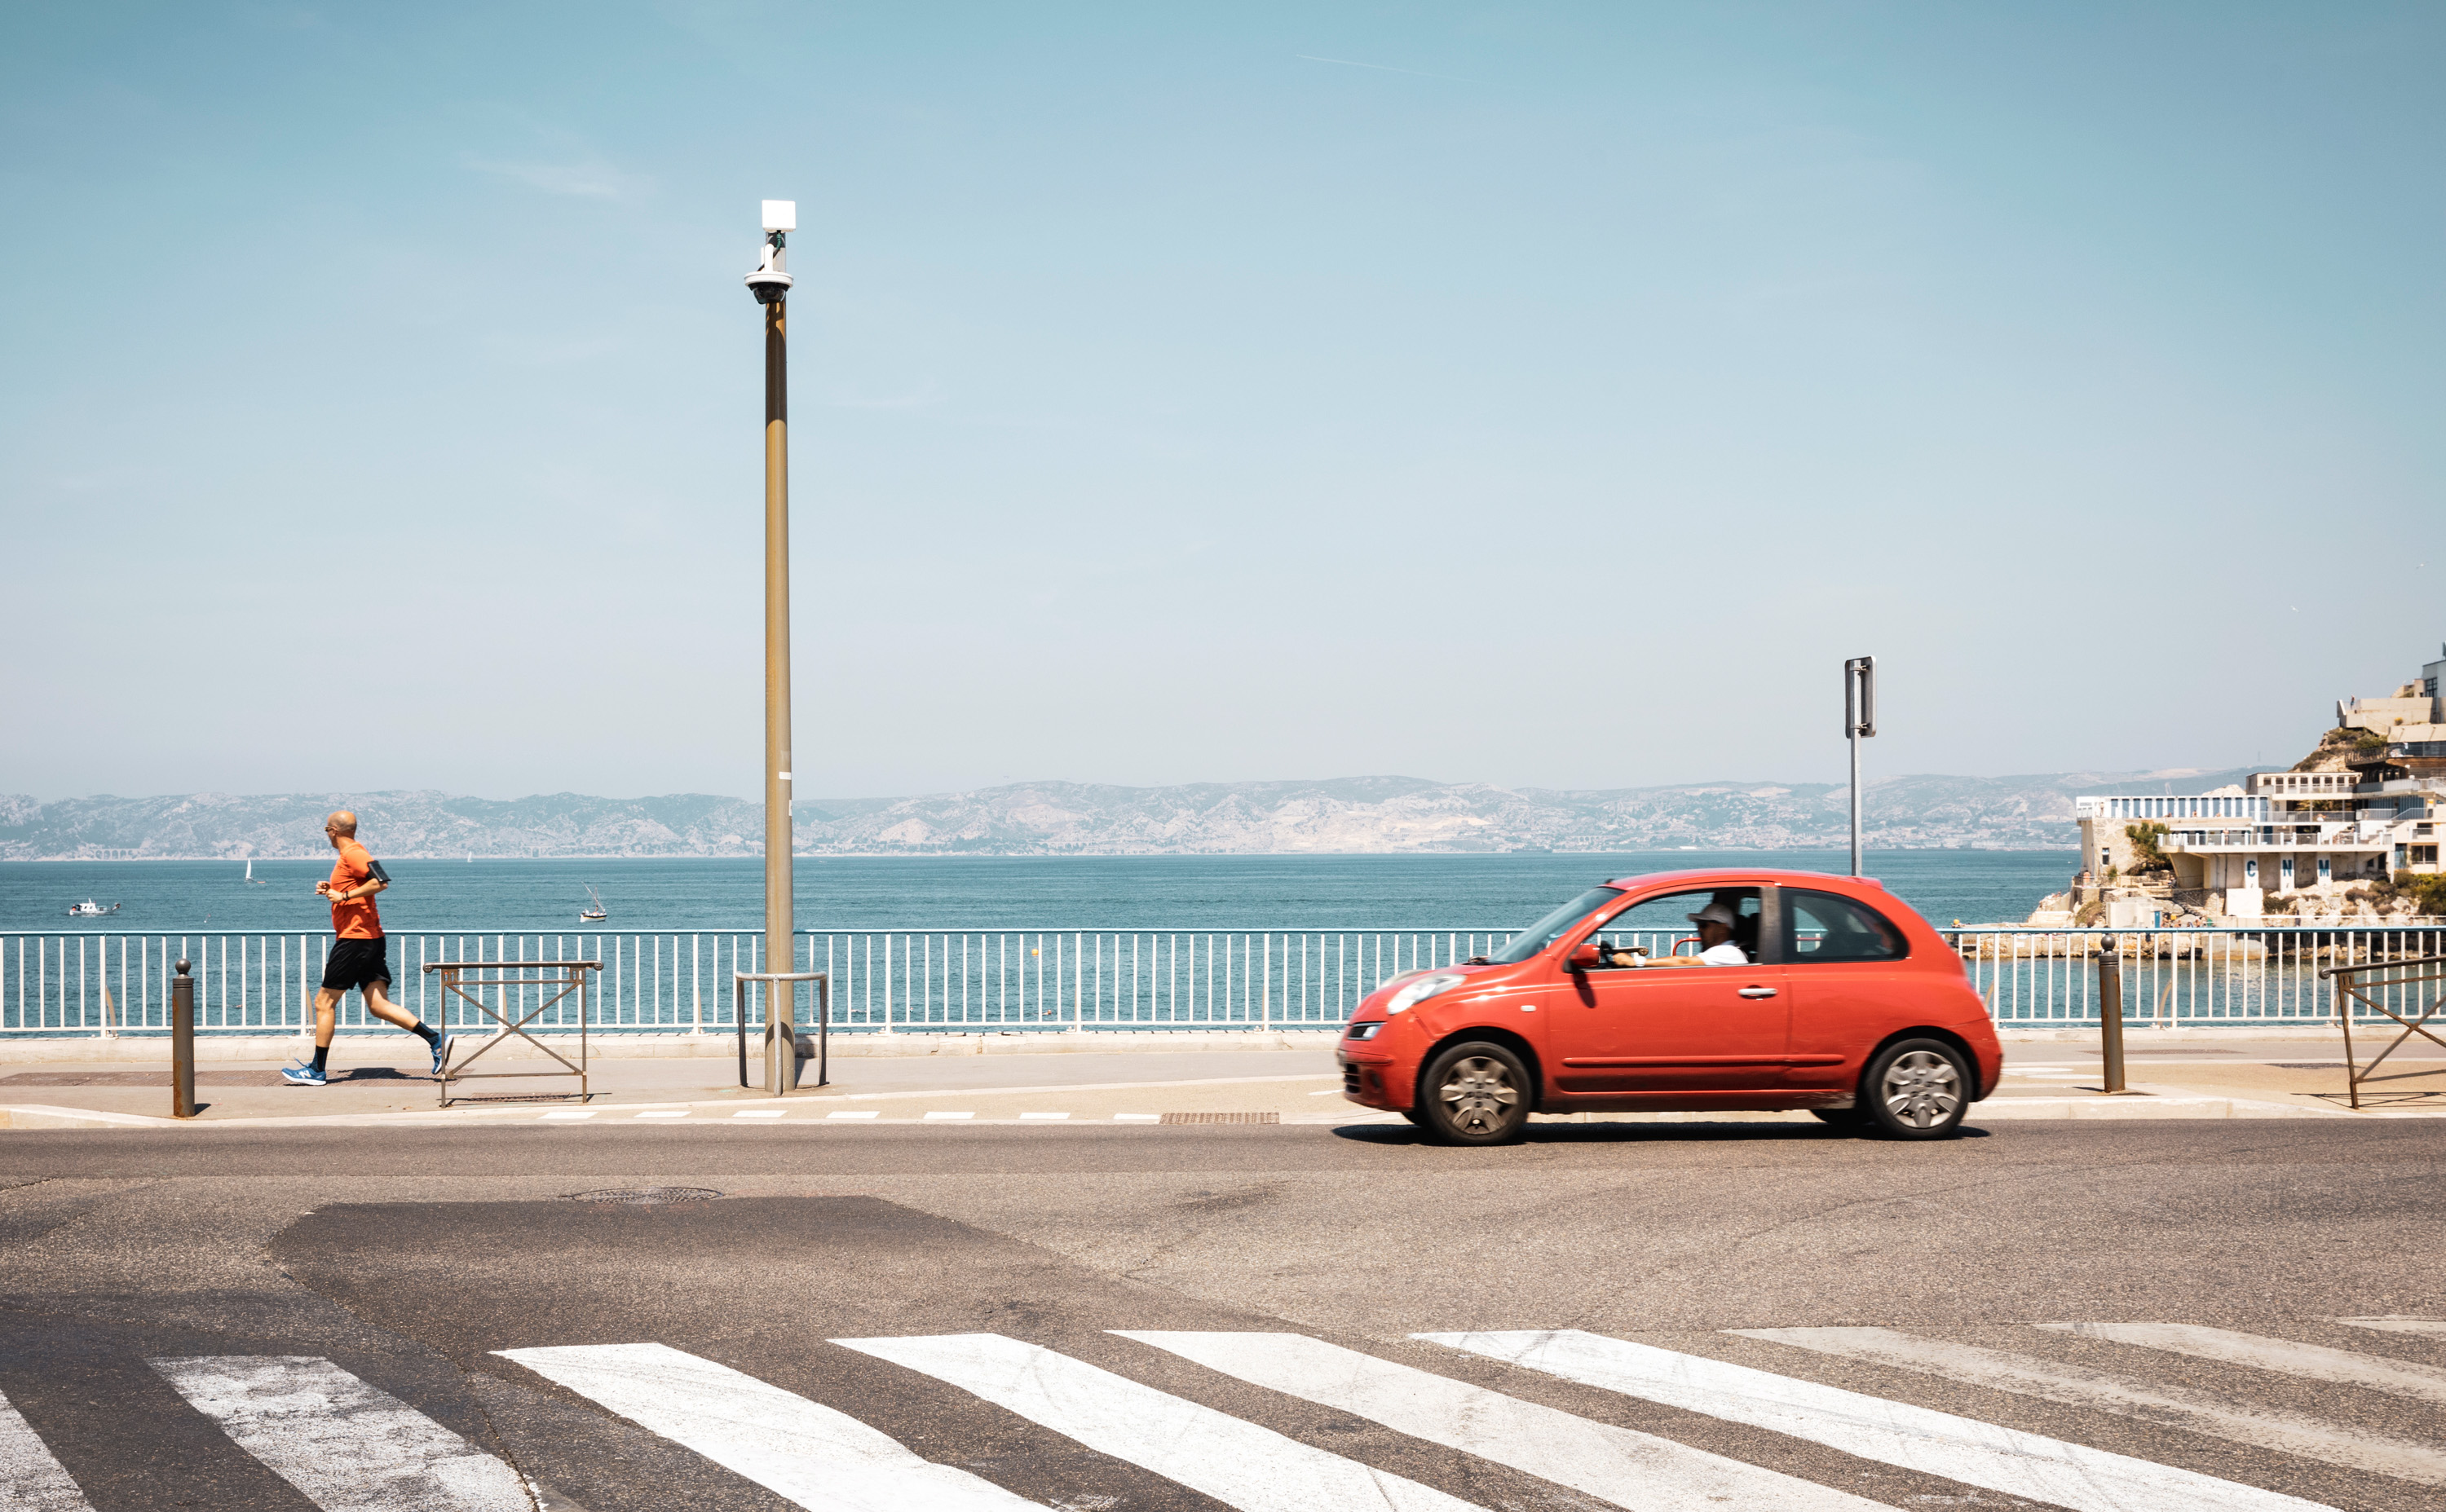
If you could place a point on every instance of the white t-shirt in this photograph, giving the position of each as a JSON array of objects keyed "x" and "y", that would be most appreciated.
[{"x": 1727, "y": 954}]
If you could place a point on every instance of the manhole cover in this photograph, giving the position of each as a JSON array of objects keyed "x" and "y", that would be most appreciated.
[{"x": 644, "y": 1196}]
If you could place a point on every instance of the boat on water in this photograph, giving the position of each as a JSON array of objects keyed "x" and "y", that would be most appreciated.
[
  {"x": 251, "y": 876},
  {"x": 90, "y": 909},
  {"x": 595, "y": 914}
]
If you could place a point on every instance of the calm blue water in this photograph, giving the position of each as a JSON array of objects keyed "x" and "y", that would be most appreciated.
[{"x": 1111, "y": 892}]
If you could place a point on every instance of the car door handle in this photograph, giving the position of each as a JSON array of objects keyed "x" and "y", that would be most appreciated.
[{"x": 1758, "y": 992}]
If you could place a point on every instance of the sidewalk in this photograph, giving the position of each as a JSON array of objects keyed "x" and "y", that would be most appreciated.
[{"x": 2172, "y": 1074}]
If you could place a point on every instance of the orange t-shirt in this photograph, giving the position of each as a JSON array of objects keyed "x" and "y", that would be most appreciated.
[{"x": 356, "y": 919}]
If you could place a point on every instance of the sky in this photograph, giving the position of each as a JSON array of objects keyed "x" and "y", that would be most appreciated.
[{"x": 1542, "y": 394}]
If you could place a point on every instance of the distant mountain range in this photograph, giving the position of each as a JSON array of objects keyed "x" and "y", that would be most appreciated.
[{"x": 1346, "y": 814}]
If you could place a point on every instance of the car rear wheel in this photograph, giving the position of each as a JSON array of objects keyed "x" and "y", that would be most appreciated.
[
  {"x": 1918, "y": 1088},
  {"x": 1476, "y": 1093}
]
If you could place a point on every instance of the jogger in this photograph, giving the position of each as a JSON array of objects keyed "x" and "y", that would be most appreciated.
[{"x": 360, "y": 958}]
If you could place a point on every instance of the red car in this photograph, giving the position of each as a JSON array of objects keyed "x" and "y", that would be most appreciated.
[{"x": 1687, "y": 990}]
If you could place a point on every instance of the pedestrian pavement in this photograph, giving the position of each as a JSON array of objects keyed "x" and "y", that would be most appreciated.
[
  {"x": 2178, "y": 1075},
  {"x": 1426, "y": 1421}
]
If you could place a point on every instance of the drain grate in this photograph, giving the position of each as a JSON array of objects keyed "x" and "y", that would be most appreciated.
[
  {"x": 1222, "y": 1119},
  {"x": 644, "y": 1196},
  {"x": 2308, "y": 1065}
]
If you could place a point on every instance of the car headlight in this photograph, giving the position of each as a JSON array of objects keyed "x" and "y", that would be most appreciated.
[{"x": 1420, "y": 989}]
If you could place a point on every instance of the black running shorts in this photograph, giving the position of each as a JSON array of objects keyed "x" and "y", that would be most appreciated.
[{"x": 354, "y": 962}]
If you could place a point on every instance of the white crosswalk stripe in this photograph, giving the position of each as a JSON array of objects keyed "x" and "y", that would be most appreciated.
[
  {"x": 2167, "y": 1406},
  {"x": 1915, "y": 1438},
  {"x": 1618, "y": 1465},
  {"x": 2398, "y": 1325},
  {"x": 1236, "y": 1463},
  {"x": 348, "y": 1445},
  {"x": 812, "y": 1454},
  {"x": 2312, "y": 1361},
  {"x": 30, "y": 1479}
]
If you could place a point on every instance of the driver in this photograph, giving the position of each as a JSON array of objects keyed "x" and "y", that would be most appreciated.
[{"x": 1716, "y": 922}]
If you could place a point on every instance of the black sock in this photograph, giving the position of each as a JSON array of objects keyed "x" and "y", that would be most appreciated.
[
  {"x": 322, "y": 1054},
  {"x": 420, "y": 1031}
]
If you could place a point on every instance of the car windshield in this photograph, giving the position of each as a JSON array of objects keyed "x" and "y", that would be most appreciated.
[{"x": 1547, "y": 931}]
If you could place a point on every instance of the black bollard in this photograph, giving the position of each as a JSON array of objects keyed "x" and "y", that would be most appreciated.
[
  {"x": 2110, "y": 1011},
  {"x": 182, "y": 1044}
]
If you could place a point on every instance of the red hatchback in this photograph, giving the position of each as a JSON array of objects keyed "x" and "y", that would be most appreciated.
[{"x": 1687, "y": 990}]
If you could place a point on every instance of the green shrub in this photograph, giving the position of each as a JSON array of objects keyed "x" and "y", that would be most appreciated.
[
  {"x": 2144, "y": 837},
  {"x": 2427, "y": 889}
]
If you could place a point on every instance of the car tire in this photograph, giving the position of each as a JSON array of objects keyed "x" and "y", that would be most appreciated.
[
  {"x": 1918, "y": 1088},
  {"x": 1474, "y": 1094},
  {"x": 1841, "y": 1117}
]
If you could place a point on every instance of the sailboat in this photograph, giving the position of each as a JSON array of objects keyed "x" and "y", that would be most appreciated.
[
  {"x": 596, "y": 914},
  {"x": 250, "y": 873}
]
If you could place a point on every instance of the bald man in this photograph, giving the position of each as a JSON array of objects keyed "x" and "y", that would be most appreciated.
[{"x": 360, "y": 958}]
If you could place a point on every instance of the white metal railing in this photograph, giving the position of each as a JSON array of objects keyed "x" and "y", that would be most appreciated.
[
  {"x": 2348, "y": 835},
  {"x": 2182, "y": 806},
  {"x": 107, "y": 985}
]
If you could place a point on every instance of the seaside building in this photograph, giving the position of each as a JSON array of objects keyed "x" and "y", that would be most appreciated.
[{"x": 2370, "y": 803}]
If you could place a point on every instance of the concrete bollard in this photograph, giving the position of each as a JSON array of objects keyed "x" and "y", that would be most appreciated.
[
  {"x": 2110, "y": 1011},
  {"x": 182, "y": 1044}
]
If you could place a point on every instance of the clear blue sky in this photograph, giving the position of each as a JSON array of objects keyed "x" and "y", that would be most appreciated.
[{"x": 1530, "y": 394}]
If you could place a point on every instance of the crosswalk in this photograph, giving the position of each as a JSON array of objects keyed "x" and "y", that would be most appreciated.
[{"x": 347, "y": 1445}]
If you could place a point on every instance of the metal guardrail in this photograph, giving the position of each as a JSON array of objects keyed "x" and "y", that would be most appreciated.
[{"x": 109, "y": 983}]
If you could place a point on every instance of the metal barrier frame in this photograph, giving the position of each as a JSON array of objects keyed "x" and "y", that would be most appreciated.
[
  {"x": 570, "y": 975},
  {"x": 823, "y": 981},
  {"x": 2343, "y": 980}
]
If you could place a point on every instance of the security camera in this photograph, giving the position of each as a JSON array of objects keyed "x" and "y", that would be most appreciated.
[{"x": 770, "y": 282}]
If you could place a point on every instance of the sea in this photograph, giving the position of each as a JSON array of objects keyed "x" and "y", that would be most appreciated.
[{"x": 970, "y": 892}]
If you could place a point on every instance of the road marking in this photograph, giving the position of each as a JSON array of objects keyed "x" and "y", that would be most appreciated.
[
  {"x": 2397, "y": 1325},
  {"x": 2167, "y": 1406},
  {"x": 1619, "y": 1465},
  {"x": 931, "y": 1118},
  {"x": 757, "y": 1112},
  {"x": 1235, "y": 1462},
  {"x": 1138, "y": 1118},
  {"x": 664, "y": 1114},
  {"x": 813, "y": 1454},
  {"x": 2314, "y": 1361},
  {"x": 854, "y": 1115},
  {"x": 1045, "y": 1115},
  {"x": 348, "y": 1445},
  {"x": 572, "y": 1113},
  {"x": 1915, "y": 1438},
  {"x": 31, "y": 1478}
]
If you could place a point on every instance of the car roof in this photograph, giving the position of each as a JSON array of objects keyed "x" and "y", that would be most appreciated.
[{"x": 1730, "y": 875}]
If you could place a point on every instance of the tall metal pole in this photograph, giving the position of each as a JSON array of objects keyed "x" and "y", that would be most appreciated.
[
  {"x": 770, "y": 283},
  {"x": 1859, "y": 720}
]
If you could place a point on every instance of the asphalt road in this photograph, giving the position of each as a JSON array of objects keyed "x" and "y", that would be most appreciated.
[{"x": 408, "y": 1259}]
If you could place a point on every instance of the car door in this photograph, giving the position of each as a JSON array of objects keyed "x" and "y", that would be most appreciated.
[
  {"x": 1848, "y": 982},
  {"x": 1660, "y": 1031}
]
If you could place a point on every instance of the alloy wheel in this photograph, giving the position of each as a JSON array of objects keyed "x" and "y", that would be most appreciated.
[
  {"x": 1921, "y": 1089},
  {"x": 1478, "y": 1095}
]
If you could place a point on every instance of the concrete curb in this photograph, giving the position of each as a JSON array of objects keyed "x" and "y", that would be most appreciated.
[{"x": 620, "y": 1045}]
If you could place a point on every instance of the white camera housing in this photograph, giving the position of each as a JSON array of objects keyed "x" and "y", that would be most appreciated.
[{"x": 781, "y": 215}]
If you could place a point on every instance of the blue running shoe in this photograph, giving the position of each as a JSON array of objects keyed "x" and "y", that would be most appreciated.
[
  {"x": 304, "y": 1077},
  {"x": 441, "y": 1054}
]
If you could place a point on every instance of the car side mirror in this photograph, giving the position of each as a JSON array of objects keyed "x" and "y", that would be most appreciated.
[{"x": 1583, "y": 956}]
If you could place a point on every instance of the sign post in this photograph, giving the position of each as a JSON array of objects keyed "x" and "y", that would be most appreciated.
[{"x": 1859, "y": 720}]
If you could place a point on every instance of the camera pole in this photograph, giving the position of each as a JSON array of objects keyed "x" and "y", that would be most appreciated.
[
  {"x": 1859, "y": 720},
  {"x": 770, "y": 283}
]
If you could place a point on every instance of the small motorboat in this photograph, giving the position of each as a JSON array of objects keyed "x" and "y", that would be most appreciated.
[
  {"x": 90, "y": 909},
  {"x": 595, "y": 914}
]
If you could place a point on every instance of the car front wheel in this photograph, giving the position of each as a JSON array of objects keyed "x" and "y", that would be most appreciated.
[
  {"x": 1476, "y": 1093},
  {"x": 1918, "y": 1088}
]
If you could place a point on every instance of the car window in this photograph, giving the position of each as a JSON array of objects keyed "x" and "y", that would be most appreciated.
[
  {"x": 1826, "y": 927},
  {"x": 1551, "y": 928},
  {"x": 1660, "y": 925}
]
